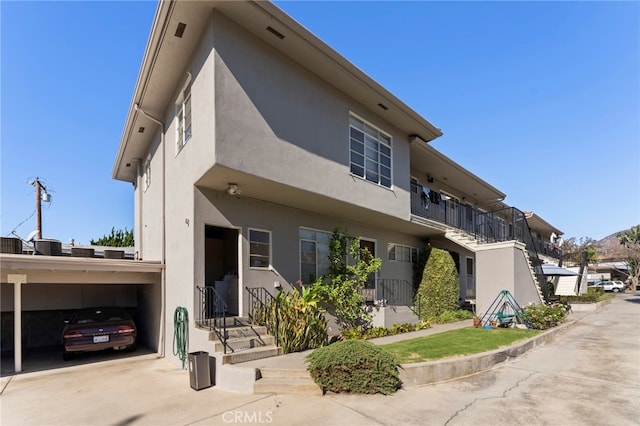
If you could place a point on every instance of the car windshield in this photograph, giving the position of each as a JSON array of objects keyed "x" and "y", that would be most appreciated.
[{"x": 99, "y": 315}]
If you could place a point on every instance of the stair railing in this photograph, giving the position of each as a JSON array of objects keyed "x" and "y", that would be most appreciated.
[
  {"x": 213, "y": 313},
  {"x": 260, "y": 302},
  {"x": 523, "y": 234},
  {"x": 397, "y": 292}
]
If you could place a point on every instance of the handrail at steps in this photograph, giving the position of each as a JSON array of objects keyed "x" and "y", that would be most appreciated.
[
  {"x": 259, "y": 299},
  {"x": 213, "y": 313}
]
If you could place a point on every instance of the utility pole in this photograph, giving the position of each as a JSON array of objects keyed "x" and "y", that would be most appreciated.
[{"x": 39, "y": 187}]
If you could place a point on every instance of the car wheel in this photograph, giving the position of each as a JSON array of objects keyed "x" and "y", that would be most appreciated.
[
  {"x": 132, "y": 348},
  {"x": 67, "y": 356},
  {"x": 615, "y": 290}
]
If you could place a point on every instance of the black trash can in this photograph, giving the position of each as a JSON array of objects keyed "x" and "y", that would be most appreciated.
[{"x": 199, "y": 372}]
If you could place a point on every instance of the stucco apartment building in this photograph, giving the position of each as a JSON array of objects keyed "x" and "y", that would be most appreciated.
[{"x": 248, "y": 141}]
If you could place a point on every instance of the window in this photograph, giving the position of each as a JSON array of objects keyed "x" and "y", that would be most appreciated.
[
  {"x": 400, "y": 253},
  {"x": 370, "y": 152},
  {"x": 183, "y": 114},
  {"x": 259, "y": 248},
  {"x": 469, "y": 266},
  {"x": 314, "y": 254}
]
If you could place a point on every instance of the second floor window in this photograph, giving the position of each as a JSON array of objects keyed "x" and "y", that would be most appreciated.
[
  {"x": 370, "y": 152},
  {"x": 183, "y": 115}
]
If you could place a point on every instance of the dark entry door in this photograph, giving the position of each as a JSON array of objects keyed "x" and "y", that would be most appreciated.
[{"x": 221, "y": 265}]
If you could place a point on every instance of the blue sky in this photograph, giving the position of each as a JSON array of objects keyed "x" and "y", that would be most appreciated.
[{"x": 540, "y": 99}]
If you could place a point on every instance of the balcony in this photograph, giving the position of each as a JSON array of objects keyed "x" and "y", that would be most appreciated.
[{"x": 487, "y": 227}]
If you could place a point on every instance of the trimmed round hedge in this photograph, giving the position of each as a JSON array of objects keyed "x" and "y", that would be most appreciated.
[{"x": 354, "y": 366}]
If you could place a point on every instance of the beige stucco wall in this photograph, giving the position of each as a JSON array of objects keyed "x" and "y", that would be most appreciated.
[
  {"x": 503, "y": 266},
  {"x": 525, "y": 290},
  {"x": 279, "y": 121},
  {"x": 36, "y": 297},
  {"x": 219, "y": 209}
]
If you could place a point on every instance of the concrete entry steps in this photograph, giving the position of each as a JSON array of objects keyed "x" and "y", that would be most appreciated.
[
  {"x": 278, "y": 380},
  {"x": 245, "y": 342}
]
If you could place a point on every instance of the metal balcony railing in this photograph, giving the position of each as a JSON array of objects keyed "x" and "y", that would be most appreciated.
[{"x": 506, "y": 224}]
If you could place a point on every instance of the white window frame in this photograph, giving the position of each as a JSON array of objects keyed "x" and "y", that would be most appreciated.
[
  {"x": 259, "y": 255},
  {"x": 183, "y": 117},
  {"x": 318, "y": 272},
  {"x": 370, "y": 152},
  {"x": 401, "y": 253}
]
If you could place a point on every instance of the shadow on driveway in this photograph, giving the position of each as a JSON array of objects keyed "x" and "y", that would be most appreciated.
[{"x": 50, "y": 358}]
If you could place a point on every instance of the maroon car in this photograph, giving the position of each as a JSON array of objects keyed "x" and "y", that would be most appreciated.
[{"x": 96, "y": 329}]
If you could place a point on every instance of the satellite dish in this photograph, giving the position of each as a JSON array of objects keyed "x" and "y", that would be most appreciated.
[{"x": 32, "y": 235}]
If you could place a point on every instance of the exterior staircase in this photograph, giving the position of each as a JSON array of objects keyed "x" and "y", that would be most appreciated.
[
  {"x": 461, "y": 238},
  {"x": 470, "y": 243},
  {"x": 533, "y": 274},
  {"x": 245, "y": 342}
]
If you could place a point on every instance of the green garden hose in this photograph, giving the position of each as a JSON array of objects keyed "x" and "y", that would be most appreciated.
[{"x": 181, "y": 334}]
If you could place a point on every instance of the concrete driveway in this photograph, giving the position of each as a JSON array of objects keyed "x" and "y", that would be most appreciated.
[{"x": 588, "y": 375}]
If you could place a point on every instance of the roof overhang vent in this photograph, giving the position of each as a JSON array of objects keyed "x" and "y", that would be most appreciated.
[
  {"x": 180, "y": 29},
  {"x": 275, "y": 32}
]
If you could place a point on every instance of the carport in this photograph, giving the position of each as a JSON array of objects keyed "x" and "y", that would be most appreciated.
[{"x": 56, "y": 283}]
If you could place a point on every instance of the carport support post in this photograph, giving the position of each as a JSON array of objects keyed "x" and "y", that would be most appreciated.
[{"x": 17, "y": 280}]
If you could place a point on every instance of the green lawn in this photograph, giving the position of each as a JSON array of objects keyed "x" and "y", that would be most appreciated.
[{"x": 465, "y": 341}]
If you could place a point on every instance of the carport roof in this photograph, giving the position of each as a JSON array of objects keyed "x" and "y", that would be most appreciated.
[{"x": 63, "y": 269}]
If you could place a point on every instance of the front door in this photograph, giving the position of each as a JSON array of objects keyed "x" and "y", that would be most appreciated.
[{"x": 221, "y": 265}]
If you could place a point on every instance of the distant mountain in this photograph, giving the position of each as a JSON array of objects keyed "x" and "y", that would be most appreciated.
[{"x": 610, "y": 249}]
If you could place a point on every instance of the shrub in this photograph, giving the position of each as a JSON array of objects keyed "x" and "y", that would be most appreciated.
[
  {"x": 301, "y": 324},
  {"x": 354, "y": 366},
  {"x": 374, "y": 332},
  {"x": 592, "y": 295},
  {"x": 439, "y": 289},
  {"x": 452, "y": 316},
  {"x": 418, "y": 266},
  {"x": 543, "y": 317}
]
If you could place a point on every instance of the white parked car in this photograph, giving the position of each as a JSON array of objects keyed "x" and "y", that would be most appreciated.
[
  {"x": 624, "y": 286},
  {"x": 613, "y": 286}
]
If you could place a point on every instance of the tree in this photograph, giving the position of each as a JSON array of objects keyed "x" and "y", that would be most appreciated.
[
  {"x": 439, "y": 289},
  {"x": 573, "y": 248},
  {"x": 630, "y": 239},
  {"x": 117, "y": 238},
  {"x": 339, "y": 289}
]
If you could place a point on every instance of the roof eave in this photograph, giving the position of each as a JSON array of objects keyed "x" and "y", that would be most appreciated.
[{"x": 151, "y": 50}]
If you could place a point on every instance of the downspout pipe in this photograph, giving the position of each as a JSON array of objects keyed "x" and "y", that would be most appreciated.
[{"x": 163, "y": 279}]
